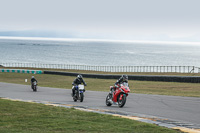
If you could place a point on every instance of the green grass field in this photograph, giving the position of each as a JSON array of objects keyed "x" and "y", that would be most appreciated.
[
  {"x": 38, "y": 118},
  {"x": 145, "y": 87}
]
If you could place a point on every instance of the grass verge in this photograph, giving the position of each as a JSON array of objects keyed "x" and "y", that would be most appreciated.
[
  {"x": 32, "y": 117},
  {"x": 145, "y": 87}
]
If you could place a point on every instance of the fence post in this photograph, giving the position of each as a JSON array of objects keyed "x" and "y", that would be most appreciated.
[{"x": 193, "y": 69}]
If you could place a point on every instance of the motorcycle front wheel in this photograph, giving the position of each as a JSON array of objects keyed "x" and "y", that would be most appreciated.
[
  {"x": 81, "y": 97},
  {"x": 122, "y": 102}
]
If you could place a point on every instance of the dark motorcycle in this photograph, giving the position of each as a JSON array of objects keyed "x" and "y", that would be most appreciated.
[
  {"x": 34, "y": 86},
  {"x": 79, "y": 93}
]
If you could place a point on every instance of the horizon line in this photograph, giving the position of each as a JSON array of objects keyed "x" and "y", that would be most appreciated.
[{"x": 99, "y": 40}]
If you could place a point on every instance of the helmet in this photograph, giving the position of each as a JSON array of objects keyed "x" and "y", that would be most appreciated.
[
  {"x": 125, "y": 77},
  {"x": 79, "y": 76},
  {"x": 32, "y": 76}
]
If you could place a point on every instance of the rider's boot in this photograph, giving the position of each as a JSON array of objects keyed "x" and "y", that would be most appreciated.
[{"x": 73, "y": 93}]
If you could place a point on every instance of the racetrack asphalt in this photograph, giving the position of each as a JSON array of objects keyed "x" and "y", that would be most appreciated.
[{"x": 175, "y": 108}]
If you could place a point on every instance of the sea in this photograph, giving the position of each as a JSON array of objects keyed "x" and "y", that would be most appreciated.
[{"x": 98, "y": 53}]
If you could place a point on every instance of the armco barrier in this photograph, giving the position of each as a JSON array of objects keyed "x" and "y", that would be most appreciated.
[
  {"x": 21, "y": 71},
  {"x": 188, "y": 79}
]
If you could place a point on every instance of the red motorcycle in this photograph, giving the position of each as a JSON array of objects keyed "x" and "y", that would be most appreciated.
[{"x": 119, "y": 95}]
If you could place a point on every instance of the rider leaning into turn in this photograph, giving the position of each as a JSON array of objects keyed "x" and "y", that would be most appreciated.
[
  {"x": 76, "y": 82},
  {"x": 32, "y": 80},
  {"x": 122, "y": 79}
]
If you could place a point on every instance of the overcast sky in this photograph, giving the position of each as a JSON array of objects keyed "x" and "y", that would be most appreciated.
[{"x": 157, "y": 20}]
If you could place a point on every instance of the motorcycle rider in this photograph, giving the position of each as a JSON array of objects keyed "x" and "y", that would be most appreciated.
[
  {"x": 32, "y": 80},
  {"x": 122, "y": 79},
  {"x": 76, "y": 82}
]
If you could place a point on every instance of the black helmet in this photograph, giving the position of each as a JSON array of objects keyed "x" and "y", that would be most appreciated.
[
  {"x": 125, "y": 77},
  {"x": 79, "y": 76}
]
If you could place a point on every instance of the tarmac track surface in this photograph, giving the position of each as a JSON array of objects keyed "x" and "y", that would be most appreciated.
[{"x": 181, "y": 109}]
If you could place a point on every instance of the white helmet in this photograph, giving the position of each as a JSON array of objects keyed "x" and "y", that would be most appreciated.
[{"x": 79, "y": 76}]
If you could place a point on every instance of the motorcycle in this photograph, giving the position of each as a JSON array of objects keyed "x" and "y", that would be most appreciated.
[
  {"x": 118, "y": 96},
  {"x": 79, "y": 93},
  {"x": 34, "y": 86}
]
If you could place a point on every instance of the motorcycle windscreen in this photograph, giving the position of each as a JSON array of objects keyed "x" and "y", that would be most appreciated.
[{"x": 125, "y": 84}]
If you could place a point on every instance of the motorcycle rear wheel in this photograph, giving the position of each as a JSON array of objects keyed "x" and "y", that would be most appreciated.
[
  {"x": 122, "y": 102},
  {"x": 107, "y": 100},
  {"x": 74, "y": 98},
  {"x": 35, "y": 88}
]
